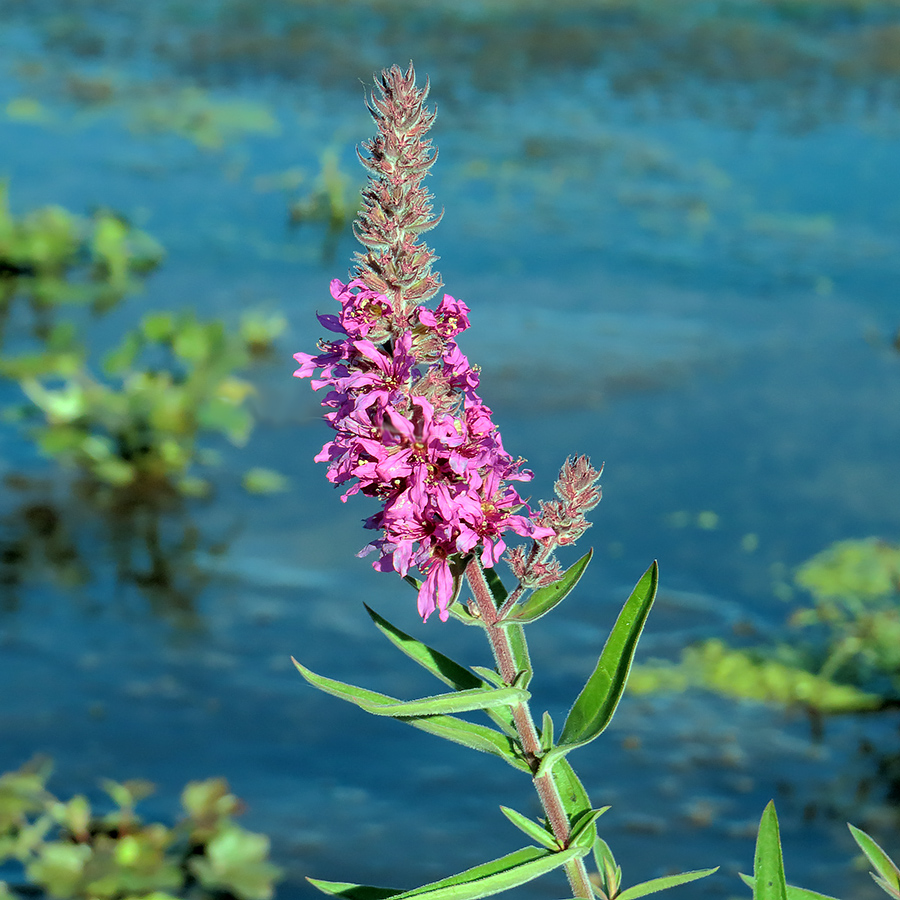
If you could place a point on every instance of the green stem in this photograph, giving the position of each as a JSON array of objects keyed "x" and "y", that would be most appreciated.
[{"x": 545, "y": 786}]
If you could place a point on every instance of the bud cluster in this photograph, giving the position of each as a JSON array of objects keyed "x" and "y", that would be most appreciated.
[
  {"x": 396, "y": 209},
  {"x": 562, "y": 519}
]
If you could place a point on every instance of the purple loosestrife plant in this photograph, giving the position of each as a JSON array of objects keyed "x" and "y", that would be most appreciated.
[{"x": 412, "y": 432}]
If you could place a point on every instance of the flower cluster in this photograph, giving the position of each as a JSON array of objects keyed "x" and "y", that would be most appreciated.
[{"x": 413, "y": 433}]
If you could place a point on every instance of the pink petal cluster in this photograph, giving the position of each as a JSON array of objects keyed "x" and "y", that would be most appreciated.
[{"x": 412, "y": 432}]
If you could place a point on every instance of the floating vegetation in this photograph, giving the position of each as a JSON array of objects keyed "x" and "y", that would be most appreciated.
[
  {"x": 849, "y": 662},
  {"x": 194, "y": 115},
  {"x": 51, "y": 257},
  {"x": 714, "y": 666},
  {"x": 333, "y": 200},
  {"x": 140, "y": 425},
  {"x": 850, "y": 572},
  {"x": 66, "y": 849},
  {"x": 27, "y": 109},
  {"x": 259, "y": 331}
]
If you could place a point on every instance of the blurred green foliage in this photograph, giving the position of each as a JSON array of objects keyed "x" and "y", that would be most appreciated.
[
  {"x": 259, "y": 330},
  {"x": 51, "y": 257},
  {"x": 168, "y": 381},
  {"x": 332, "y": 199},
  {"x": 171, "y": 380},
  {"x": 67, "y": 850},
  {"x": 194, "y": 115},
  {"x": 749, "y": 675},
  {"x": 843, "y": 654}
]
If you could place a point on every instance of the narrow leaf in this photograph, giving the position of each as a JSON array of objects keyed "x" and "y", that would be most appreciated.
[
  {"x": 499, "y": 875},
  {"x": 610, "y": 873},
  {"x": 793, "y": 892},
  {"x": 574, "y": 797},
  {"x": 546, "y": 732},
  {"x": 498, "y": 591},
  {"x": 352, "y": 891},
  {"x": 442, "y": 667},
  {"x": 440, "y": 704},
  {"x": 533, "y": 829},
  {"x": 519, "y": 646},
  {"x": 491, "y": 676},
  {"x": 768, "y": 864},
  {"x": 662, "y": 884},
  {"x": 882, "y": 863},
  {"x": 544, "y": 599},
  {"x": 583, "y": 832},
  {"x": 477, "y": 737},
  {"x": 595, "y": 705}
]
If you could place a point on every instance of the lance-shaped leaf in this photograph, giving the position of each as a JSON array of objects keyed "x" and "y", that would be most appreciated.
[
  {"x": 662, "y": 884},
  {"x": 534, "y": 830},
  {"x": 441, "y": 666},
  {"x": 544, "y": 599},
  {"x": 609, "y": 870},
  {"x": 888, "y": 877},
  {"x": 546, "y": 732},
  {"x": 793, "y": 892},
  {"x": 497, "y": 589},
  {"x": 441, "y": 704},
  {"x": 490, "y": 878},
  {"x": 519, "y": 647},
  {"x": 451, "y": 673},
  {"x": 477, "y": 737},
  {"x": 575, "y": 800},
  {"x": 351, "y": 891},
  {"x": 595, "y": 705},
  {"x": 768, "y": 864},
  {"x": 583, "y": 832},
  {"x": 499, "y": 875}
]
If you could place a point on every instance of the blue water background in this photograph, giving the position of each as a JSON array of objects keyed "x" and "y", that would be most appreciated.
[{"x": 678, "y": 230}]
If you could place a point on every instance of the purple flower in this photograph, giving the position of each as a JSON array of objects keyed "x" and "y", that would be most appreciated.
[{"x": 412, "y": 432}]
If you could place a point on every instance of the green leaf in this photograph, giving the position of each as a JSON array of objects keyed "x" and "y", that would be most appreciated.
[
  {"x": 490, "y": 878},
  {"x": 499, "y": 875},
  {"x": 489, "y": 676},
  {"x": 546, "y": 732},
  {"x": 442, "y": 667},
  {"x": 534, "y": 830},
  {"x": 768, "y": 864},
  {"x": 583, "y": 834},
  {"x": 610, "y": 873},
  {"x": 441, "y": 704},
  {"x": 793, "y": 892},
  {"x": 575, "y": 800},
  {"x": 662, "y": 884},
  {"x": 595, "y": 705},
  {"x": 498, "y": 591},
  {"x": 352, "y": 891},
  {"x": 477, "y": 737},
  {"x": 545, "y": 598},
  {"x": 518, "y": 645},
  {"x": 888, "y": 878}
]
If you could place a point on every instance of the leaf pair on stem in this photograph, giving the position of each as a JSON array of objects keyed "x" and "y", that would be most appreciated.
[{"x": 569, "y": 833}]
